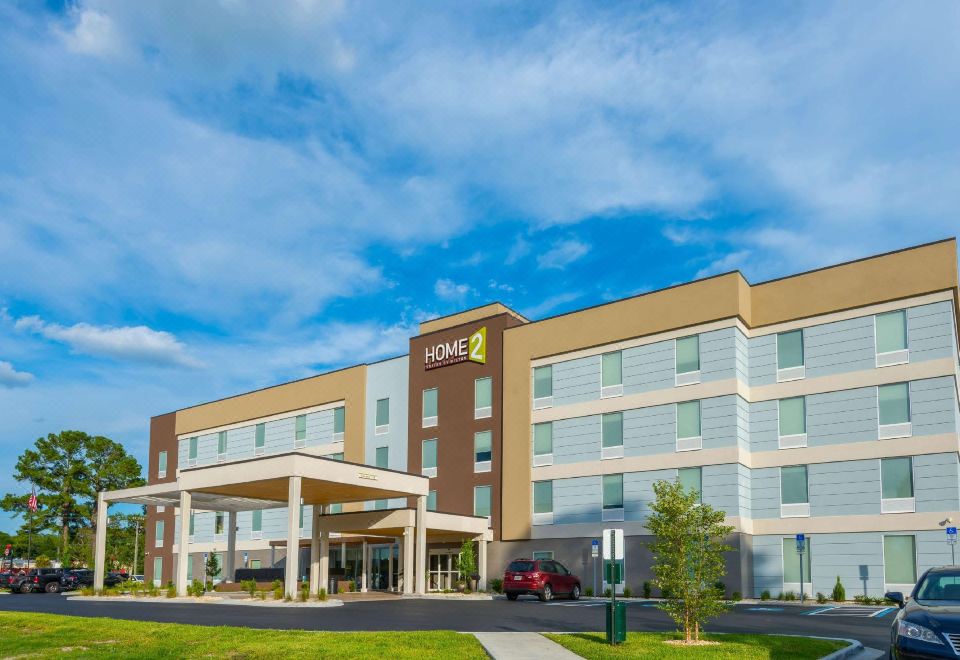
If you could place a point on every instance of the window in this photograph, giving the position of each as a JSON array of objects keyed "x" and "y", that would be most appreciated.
[
  {"x": 259, "y": 439},
  {"x": 221, "y": 446},
  {"x": 429, "y": 458},
  {"x": 543, "y": 444},
  {"x": 255, "y": 563},
  {"x": 158, "y": 571},
  {"x": 336, "y": 508},
  {"x": 256, "y": 524},
  {"x": 792, "y": 414},
  {"x": 542, "y": 554},
  {"x": 688, "y": 426},
  {"x": 190, "y": 570},
  {"x": 193, "y": 521},
  {"x": 192, "y": 455},
  {"x": 612, "y": 497},
  {"x": 794, "y": 498},
  {"x": 382, "y": 457},
  {"x": 432, "y": 500},
  {"x": 611, "y": 374},
  {"x": 481, "y": 501},
  {"x": 383, "y": 416},
  {"x": 430, "y": 408},
  {"x": 543, "y": 387},
  {"x": 162, "y": 465},
  {"x": 339, "y": 423},
  {"x": 790, "y": 356},
  {"x": 158, "y": 534},
  {"x": 300, "y": 519},
  {"x": 542, "y": 502},
  {"x": 896, "y": 485},
  {"x": 611, "y": 432},
  {"x": 891, "y": 331},
  {"x": 791, "y": 565},
  {"x": 218, "y": 525},
  {"x": 482, "y": 398},
  {"x": 899, "y": 560},
  {"x": 687, "y": 360},
  {"x": 482, "y": 451},
  {"x": 300, "y": 432},
  {"x": 691, "y": 479},
  {"x": 894, "y": 404}
]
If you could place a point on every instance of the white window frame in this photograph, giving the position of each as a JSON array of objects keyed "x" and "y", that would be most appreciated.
[
  {"x": 893, "y": 431},
  {"x": 688, "y": 377},
  {"x": 158, "y": 540},
  {"x": 222, "y": 457},
  {"x": 798, "y": 510},
  {"x": 807, "y": 581},
  {"x": 484, "y": 411},
  {"x": 429, "y": 471},
  {"x": 338, "y": 437},
  {"x": 899, "y": 504},
  {"x": 892, "y": 358},
  {"x": 256, "y": 535},
  {"x": 482, "y": 466},
  {"x": 193, "y": 461},
  {"x": 793, "y": 440},
  {"x": 790, "y": 373},
  {"x": 430, "y": 422},
  {"x": 547, "y": 517},
  {"x": 544, "y": 401},
  {"x": 611, "y": 391},
  {"x": 539, "y": 460},
  {"x": 904, "y": 588},
  {"x": 381, "y": 429},
  {"x": 692, "y": 443},
  {"x": 162, "y": 474},
  {"x": 615, "y": 514},
  {"x": 533, "y": 555},
  {"x": 161, "y": 508},
  {"x": 616, "y": 451},
  {"x": 490, "y": 488}
]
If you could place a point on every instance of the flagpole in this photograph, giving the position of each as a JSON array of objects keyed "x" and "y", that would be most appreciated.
[{"x": 31, "y": 507}]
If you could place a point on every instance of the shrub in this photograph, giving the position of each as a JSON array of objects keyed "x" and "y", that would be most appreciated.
[
  {"x": 789, "y": 596},
  {"x": 720, "y": 587},
  {"x": 588, "y": 592},
  {"x": 304, "y": 593},
  {"x": 322, "y": 594},
  {"x": 607, "y": 593},
  {"x": 209, "y": 585},
  {"x": 496, "y": 585},
  {"x": 780, "y": 596},
  {"x": 196, "y": 589},
  {"x": 627, "y": 593},
  {"x": 467, "y": 590},
  {"x": 278, "y": 593},
  {"x": 839, "y": 593},
  {"x": 735, "y": 596},
  {"x": 647, "y": 589},
  {"x": 765, "y": 595},
  {"x": 262, "y": 594},
  {"x": 353, "y": 585},
  {"x": 249, "y": 586},
  {"x": 42, "y": 561},
  {"x": 171, "y": 591},
  {"x": 821, "y": 598}
]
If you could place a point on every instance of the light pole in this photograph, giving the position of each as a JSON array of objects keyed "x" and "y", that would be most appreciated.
[{"x": 136, "y": 546}]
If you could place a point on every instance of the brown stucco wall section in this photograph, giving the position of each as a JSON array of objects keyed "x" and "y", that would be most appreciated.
[{"x": 163, "y": 437}]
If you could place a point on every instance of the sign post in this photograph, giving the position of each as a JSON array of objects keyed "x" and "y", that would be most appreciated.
[
  {"x": 613, "y": 572},
  {"x": 952, "y": 542},
  {"x": 801, "y": 546},
  {"x": 595, "y": 552}
]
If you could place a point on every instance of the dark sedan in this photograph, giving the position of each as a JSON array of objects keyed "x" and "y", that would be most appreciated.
[{"x": 928, "y": 624}]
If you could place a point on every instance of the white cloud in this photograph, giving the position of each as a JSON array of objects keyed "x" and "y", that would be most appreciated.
[
  {"x": 562, "y": 254},
  {"x": 10, "y": 377},
  {"x": 550, "y": 304},
  {"x": 133, "y": 343},
  {"x": 731, "y": 261},
  {"x": 447, "y": 289},
  {"x": 92, "y": 34}
]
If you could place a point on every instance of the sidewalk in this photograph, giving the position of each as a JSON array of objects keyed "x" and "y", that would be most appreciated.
[{"x": 522, "y": 646}]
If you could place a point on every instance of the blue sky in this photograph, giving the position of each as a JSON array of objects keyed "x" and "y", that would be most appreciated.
[{"x": 198, "y": 199}]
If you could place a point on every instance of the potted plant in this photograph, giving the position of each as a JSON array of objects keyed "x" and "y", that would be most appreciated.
[{"x": 467, "y": 566}]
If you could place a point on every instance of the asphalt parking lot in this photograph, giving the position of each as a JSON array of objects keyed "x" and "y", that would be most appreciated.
[{"x": 869, "y": 625}]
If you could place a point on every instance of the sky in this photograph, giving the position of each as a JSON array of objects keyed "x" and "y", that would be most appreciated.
[{"x": 203, "y": 198}]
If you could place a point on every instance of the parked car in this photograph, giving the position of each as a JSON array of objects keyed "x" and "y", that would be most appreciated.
[
  {"x": 136, "y": 578},
  {"x": 928, "y": 623},
  {"x": 37, "y": 579},
  {"x": 83, "y": 577},
  {"x": 543, "y": 578}
]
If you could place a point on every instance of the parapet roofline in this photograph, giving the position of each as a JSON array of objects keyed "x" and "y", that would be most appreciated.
[{"x": 468, "y": 315}]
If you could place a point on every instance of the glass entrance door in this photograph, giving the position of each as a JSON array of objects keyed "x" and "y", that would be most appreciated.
[
  {"x": 380, "y": 567},
  {"x": 444, "y": 569}
]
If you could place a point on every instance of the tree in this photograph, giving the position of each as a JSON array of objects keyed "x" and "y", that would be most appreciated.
[
  {"x": 467, "y": 562},
  {"x": 68, "y": 469},
  {"x": 213, "y": 565},
  {"x": 42, "y": 561},
  {"x": 688, "y": 552}
]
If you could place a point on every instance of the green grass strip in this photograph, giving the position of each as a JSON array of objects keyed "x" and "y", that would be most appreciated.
[{"x": 730, "y": 647}]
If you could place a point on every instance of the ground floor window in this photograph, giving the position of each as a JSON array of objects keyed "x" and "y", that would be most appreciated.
[
  {"x": 255, "y": 563},
  {"x": 543, "y": 554},
  {"x": 157, "y": 571},
  {"x": 791, "y": 566},
  {"x": 900, "y": 560},
  {"x": 444, "y": 569}
]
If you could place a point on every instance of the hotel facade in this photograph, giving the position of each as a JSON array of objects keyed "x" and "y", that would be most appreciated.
[{"x": 824, "y": 403}]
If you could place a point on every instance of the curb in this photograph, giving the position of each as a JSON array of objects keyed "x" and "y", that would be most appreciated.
[{"x": 853, "y": 646}]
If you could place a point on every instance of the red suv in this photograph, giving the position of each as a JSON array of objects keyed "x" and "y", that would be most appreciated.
[{"x": 543, "y": 578}]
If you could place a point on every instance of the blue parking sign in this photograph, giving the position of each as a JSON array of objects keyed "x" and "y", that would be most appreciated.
[
  {"x": 951, "y": 531},
  {"x": 801, "y": 543}
]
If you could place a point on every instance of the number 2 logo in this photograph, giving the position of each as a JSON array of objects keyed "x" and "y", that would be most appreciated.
[{"x": 478, "y": 346}]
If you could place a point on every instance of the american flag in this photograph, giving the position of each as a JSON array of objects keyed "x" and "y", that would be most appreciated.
[{"x": 32, "y": 502}]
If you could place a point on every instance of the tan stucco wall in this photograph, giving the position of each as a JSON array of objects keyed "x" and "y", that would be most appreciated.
[
  {"x": 468, "y": 316},
  {"x": 912, "y": 272},
  {"x": 347, "y": 385}
]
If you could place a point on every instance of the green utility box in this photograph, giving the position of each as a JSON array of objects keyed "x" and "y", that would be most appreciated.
[{"x": 616, "y": 612}]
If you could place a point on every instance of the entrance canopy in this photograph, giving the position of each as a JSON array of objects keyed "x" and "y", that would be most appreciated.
[
  {"x": 440, "y": 527},
  {"x": 263, "y": 483}
]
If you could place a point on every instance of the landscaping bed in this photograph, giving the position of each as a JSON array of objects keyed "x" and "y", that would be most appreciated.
[
  {"x": 53, "y": 635},
  {"x": 727, "y": 647}
]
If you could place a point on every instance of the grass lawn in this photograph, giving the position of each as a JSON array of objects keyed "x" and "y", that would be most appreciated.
[
  {"x": 53, "y": 635},
  {"x": 732, "y": 647}
]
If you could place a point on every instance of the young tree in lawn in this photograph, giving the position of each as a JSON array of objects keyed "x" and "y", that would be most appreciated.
[
  {"x": 688, "y": 554},
  {"x": 213, "y": 565},
  {"x": 467, "y": 563}
]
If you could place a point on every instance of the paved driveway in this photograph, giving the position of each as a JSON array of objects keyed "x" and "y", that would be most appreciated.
[{"x": 465, "y": 616}]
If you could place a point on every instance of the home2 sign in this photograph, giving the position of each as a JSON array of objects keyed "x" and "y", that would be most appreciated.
[{"x": 465, "y": 349}]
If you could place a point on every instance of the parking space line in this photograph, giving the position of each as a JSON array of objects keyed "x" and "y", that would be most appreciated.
[
  {"x": 883, "y": 612},
  {"x": 818, "y": 611}
]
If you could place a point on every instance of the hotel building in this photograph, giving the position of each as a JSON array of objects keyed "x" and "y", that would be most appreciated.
[{"x": 823, "y": 403}]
